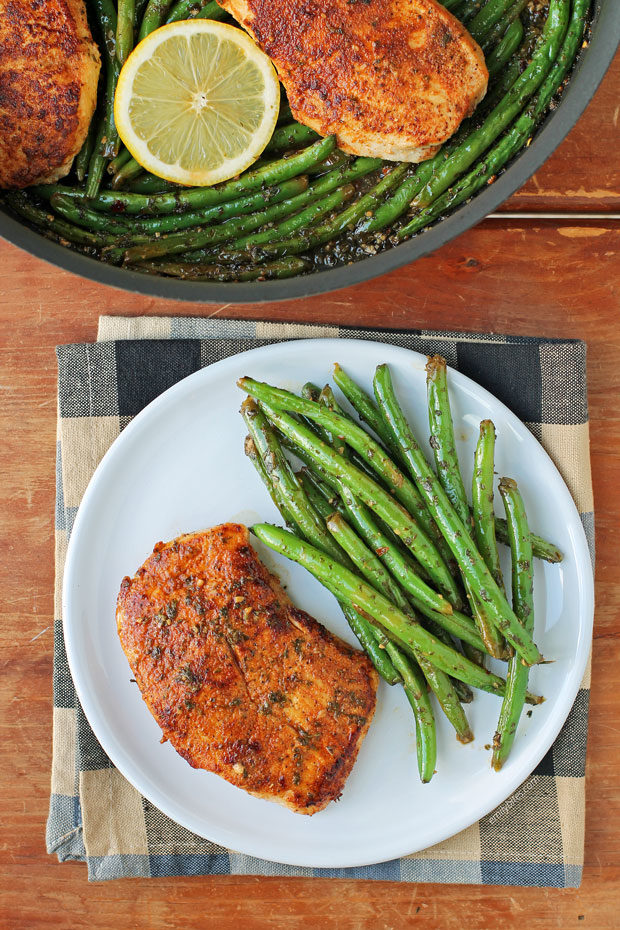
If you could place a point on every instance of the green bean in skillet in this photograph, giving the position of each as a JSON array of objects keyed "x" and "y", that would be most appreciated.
[
  {"x": 154, "y": 16},
  {"x": 505, "y": 48},
  {"x": 315, "y": 211},
  {"x": 45, "y": 221},
  {"x": 143, "y": 230},
  {"x": 516, "y": 137},
  {"x": 89, "y": 219},
  {"x": 319, "y": 235},
  {"x": 128, "y": 171},
  {"x": 279, "y": 268},
  {"x": 148, "y": 183},
  {"x": 290, "y": 137},
  {"x": 340, "y": 177},
  {"x": 498, "y": 33},
  {"x": 456, "y": 533},
  {"x": 370, "y": 568},
  {"x": 106, "y": 142},
  {"x": 83, "y": 157},
  {"x": 348, "y": 587},
  {"x": 187, "y": 242},
  {"x": 197, "y": 198},
  {"x": 125, "y": 29},
  {"x": 523, "y": 603},
  {"x": 121, "y": 159},
  {"x": 372, "y": 453},
  {"x": 194, "y": 9},
  {"x": 448, "y": 470},
  {"x": 493, "y": 12}
]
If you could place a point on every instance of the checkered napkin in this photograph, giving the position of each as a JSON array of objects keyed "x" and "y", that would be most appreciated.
[{"x": 533, "y": 838}]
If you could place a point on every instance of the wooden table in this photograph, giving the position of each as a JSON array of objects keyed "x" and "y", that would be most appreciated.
[{"x": 521, "y": 276}]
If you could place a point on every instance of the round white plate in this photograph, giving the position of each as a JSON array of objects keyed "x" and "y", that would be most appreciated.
[{"x": 179, "y": 466}]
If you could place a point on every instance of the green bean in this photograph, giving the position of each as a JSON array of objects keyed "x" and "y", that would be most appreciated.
[
  {"x": 289, "y": 137},
  {"x": 366, "y": 409},
  {"x": 279, "y": 268},
  {"x": 498, "y": 33},
  {"x": 456, "y": 623},
  {"x": 249, "y": 447},
  {"x": 194, "y": 241},
  {"x": 145, "y": 229},
  {"x": 449, "y": 474},
  {"x": 304, "y": 218},
  {"x": 291, "y": 500},
  {"x": 490, "y": 14},
  {"x": 340, "y": 177},
  {"x": 197, "y": 198},
  {"x": 154, "y": 16},
  {"x": 371, "y": 568},
  {"x": 127, "y": 172},
  {"x": 281, "y": 474},
  {"x": 212, "y": 12},
  {"x": 108, "y": 22},
  {"x": 455, "y": 532},
  {"x": 523, "y": 603},
  {"x": 482, "y": 500},
  {"x": 24, "y": 207},
  {"x": 82, "y": 158},
  {"x": 90, "y": 219},
  {"x": 402, "y": 489},
  {"x": 148, "y": 183},
  {"x": 383, "y": 503},
  {"x": 97, "y": 163},
  {"x": 348, "y": 587},
  {"x": 516, "y": 137},
  {"x": 124, "y": 29},
  {"x": 506, "y": 48},
  {"x": 190, "y": 9},
  {"x": 319, "y": 235},
  {"x": 121, "y": 159}
]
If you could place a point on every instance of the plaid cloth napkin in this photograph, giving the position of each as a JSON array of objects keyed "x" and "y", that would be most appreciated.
[{"x": 533, "y": 838}]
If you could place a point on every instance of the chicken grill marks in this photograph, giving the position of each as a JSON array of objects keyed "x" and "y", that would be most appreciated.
[
  {"x": 241, "y": 682},
  {"x": 391, "y": 78},
  {"x": 49, "y": 68}
]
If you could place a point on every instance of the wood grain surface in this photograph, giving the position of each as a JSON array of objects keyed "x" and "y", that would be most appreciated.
[{"x": 516, "y": 276}]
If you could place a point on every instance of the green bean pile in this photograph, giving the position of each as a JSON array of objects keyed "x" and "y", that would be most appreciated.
[
  {"x": 413, "y": 566},
  {"x": 304, "y": 205}
]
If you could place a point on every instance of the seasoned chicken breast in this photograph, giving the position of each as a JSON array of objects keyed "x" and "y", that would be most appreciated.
[
  {"x": 49, "y": 67},
  {"x": 240, "y": 681},
  {"x": 391, "y": 78}
]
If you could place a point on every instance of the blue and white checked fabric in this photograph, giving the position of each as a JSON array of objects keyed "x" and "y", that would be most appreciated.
[{"x": 96, "y": 816}]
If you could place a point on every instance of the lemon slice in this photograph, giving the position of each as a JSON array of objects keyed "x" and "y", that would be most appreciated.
[{"x": 196, "y": 102}]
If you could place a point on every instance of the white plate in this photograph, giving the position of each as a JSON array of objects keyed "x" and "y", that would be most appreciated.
[{"x": 179, "y": 466}]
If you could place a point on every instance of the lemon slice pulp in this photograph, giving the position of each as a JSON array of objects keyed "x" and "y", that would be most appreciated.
[{"x": 196, "y": 102}]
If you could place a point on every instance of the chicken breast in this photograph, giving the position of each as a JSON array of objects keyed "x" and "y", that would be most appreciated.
[
  {"x": 49, "y": 68},
  {"x": 390, "y": 78},
  {"x": 240, "y": 681}
]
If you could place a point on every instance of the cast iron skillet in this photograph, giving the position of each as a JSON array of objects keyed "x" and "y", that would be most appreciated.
[{"x": 588, "y": 74}]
